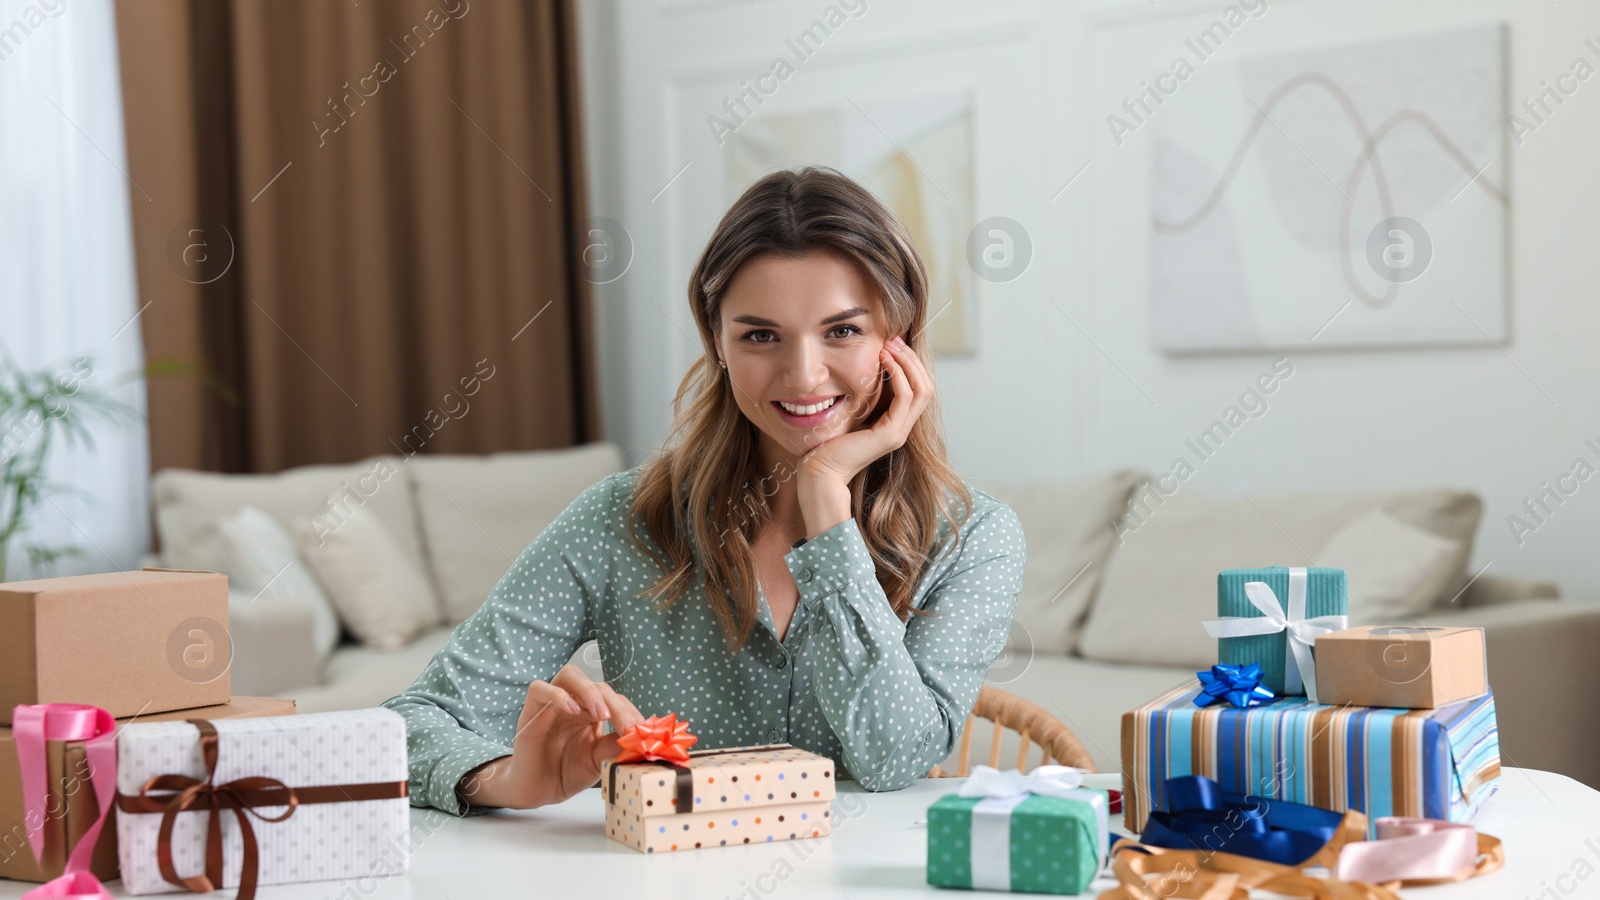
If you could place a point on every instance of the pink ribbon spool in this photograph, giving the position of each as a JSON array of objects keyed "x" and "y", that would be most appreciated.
[
  {"x": 1408, "y": 848},
  {"x": 31, "y": 726}
]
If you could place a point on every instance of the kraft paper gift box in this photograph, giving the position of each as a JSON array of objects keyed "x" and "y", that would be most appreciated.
[
  {"x": 70, "y": 807},
  {"x": 1401, "y": 666},
  {"x": 130, "y": 643},
  {"x": 1309, "y": 600},
  {"x": 347, "y": 771},
  {"x": 1041, "y": 833},
  {"x": 740, "y": 795},
  {"x": 1432, "y": 763}
]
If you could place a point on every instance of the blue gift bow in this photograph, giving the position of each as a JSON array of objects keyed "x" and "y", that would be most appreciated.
[
  {"x": 1239, "y": 685},
  {"x": 1199, "y": 815}
]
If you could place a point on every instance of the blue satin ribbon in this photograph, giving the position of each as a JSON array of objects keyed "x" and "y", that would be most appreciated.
[
  {"x": 1239, "y": 685},
  {"x": 1200, "y": 816}
]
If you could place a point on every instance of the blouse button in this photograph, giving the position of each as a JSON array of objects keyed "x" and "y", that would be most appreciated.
[
  {"x": 806, "y": 574},
  {"x": 773, "y": 736}
]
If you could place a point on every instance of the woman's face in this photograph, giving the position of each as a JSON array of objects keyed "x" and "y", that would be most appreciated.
[{"x": 806, "y": 331}]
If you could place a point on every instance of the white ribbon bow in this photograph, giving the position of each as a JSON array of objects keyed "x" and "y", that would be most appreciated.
[
  {"x": 1298, "y": 665},
  {"x": 1003, "y": 791}
]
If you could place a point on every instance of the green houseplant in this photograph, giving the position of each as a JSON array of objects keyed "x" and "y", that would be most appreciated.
[{"x": 40, "y": 410}]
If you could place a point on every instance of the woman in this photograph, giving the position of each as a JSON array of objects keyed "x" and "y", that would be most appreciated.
[{"x": 801, "y": 567}]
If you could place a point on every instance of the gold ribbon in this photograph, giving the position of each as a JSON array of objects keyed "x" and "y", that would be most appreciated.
[
  {"x": 1158, "y": 873},
  {"x": 237, "y": 796}
]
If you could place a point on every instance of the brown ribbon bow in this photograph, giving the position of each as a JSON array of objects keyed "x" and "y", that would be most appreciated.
[{"x": 239, "y": 796}]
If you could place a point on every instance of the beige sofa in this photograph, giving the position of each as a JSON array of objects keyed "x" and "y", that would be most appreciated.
[
  {"x": 463, "y": 518},
  {"x": 1121, "y": 569}
]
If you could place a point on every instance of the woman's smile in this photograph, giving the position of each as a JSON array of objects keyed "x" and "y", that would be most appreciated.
[{"x": 807, "y": 415}]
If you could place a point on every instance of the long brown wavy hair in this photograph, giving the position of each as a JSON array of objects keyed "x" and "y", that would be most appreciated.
[{"x": 703, "y": 500}]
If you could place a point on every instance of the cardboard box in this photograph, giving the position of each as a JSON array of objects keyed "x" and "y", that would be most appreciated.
[
  {"x": 130, "y": 643},
  {"x": 71, "y": 807},
  {"x": 740, "y": 795},
  {"x": 1403, "y": 667}
]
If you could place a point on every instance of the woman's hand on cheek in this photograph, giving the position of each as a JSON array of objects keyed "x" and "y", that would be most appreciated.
[{"x": 839, "y": 459}]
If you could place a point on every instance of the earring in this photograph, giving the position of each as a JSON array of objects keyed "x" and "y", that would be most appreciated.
[{"x": 723, "y": 365}]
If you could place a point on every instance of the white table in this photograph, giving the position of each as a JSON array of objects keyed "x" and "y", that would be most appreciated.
[{"x": 1549, "y": 823}]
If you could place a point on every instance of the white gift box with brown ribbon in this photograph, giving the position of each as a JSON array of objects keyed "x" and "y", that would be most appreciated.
[{"x": 238, "y": 802}]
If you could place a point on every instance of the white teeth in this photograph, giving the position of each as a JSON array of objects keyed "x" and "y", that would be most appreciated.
[{"x": 807, "y": 410}]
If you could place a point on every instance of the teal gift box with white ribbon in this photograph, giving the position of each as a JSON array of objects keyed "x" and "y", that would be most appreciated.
[
  {"x": 1042, "y": 833},
  {"x": 1273, "y": 615}
]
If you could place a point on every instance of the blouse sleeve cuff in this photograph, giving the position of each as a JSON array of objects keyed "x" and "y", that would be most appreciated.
[
  {"x": 471, "y": 752},
  {"x": 831, "y": 561}
]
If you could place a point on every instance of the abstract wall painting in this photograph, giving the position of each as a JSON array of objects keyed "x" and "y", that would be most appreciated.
[{"x": 1349, "y": 196}]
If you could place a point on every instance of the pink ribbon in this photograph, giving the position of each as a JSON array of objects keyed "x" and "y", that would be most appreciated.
[
  {"x": 31, "y": 726},
  {"x": 1407, "y": 849}
]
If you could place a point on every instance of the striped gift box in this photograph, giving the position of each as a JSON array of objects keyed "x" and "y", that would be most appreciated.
[{"x": 1440, "y": 763}]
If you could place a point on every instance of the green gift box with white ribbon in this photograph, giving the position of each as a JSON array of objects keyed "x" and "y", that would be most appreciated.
[
  {"x": 1042, "y": 833},
  {"x": 1273, "y": 616}
]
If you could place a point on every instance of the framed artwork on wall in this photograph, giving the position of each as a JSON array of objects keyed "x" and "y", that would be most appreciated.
[
  {"x": 916, "y": 153},
  {"x": 1345, "y": 196}
]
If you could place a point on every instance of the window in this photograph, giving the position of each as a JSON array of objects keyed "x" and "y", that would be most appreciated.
[{"x": 67, "y": 286}]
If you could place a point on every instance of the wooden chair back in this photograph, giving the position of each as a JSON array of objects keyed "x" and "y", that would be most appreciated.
[{"x": 1031, "y": 723}]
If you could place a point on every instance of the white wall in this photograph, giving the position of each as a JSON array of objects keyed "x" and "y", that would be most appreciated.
[{"x": 1065, "y": 381}]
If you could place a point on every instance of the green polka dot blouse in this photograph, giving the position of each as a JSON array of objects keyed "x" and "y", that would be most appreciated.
[{"x": 886, "y": 700}]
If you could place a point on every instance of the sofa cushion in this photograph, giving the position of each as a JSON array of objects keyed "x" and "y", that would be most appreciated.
[
  {"x": 264, "y": 568},
  {"x": 359, "y": 676},
  {"x": 1161, "y": 580},
  {"x": 274, "y": 646},
  {"x": 478, "y": 513},
  {"x": 383, "y": 597},
  {"x": 1067, "y": 525},
  {"x": 190, "y": 505},
  {"x": 1393, "y": 569}
]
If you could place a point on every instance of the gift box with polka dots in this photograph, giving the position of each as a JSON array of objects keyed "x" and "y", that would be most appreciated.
[
  {"x": 1040, "y": 845},
  {"x": 737, "y": 796},
  {"x": 333, "y": 754}
]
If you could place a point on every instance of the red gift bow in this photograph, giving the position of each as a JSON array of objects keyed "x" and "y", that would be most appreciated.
[{"x": 662, "y": 738}]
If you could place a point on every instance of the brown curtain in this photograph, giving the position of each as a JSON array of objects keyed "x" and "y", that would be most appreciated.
[{"x": 363, "y": 220}]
